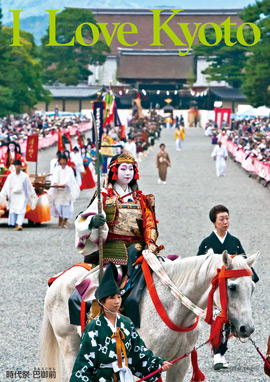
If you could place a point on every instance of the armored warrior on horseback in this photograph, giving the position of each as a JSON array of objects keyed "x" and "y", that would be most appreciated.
[
  {"x": 128, "y": 218},
  {"x": 128, "y": 225}
]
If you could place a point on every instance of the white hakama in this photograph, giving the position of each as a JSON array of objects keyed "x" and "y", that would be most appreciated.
[
  {"x": 220, "y": 153},
  {"x": 18, "y": 191},
  {"x": 63, "y": 198}
]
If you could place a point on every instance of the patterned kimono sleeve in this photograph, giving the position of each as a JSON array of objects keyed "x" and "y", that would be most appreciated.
[
  {"x": 150, "y": 232},
  {"x": 86, "y": 241},
  {"x": 85, "y": 364},
  {"x": 141, "y": 360}
]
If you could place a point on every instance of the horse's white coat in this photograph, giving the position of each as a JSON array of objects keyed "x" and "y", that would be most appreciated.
[{"x": 191, "y": 275}]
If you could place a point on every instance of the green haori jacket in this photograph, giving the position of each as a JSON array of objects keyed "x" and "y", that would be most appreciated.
[{"x": 98, "y": 348}]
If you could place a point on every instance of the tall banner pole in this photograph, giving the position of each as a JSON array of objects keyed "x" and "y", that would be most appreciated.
[{"x": 100, "y": 240}]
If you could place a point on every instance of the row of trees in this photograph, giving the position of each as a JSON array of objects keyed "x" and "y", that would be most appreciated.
[
  {"x": 246, "y": 68},
  {"x": 24, "y": 69},
  {"x": 20, "y": 73}
]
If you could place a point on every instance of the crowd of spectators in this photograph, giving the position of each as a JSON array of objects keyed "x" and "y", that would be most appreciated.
[
  {"x": 18, "y": 128},
  {"x": 249, "y": 135}
]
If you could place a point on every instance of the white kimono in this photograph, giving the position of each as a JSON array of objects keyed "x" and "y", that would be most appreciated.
[
  {"x": 220, "y": 153},
  {"x": 63, "y": 197},
  {"x": 77, "y": 159},
  {"x": 53, "y": 164},
  {"x": 17, "y": 192}
]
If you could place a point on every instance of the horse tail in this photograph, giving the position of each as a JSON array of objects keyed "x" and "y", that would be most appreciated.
[{"x": 50, "y": 357}]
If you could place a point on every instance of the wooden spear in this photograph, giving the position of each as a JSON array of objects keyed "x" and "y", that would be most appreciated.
[{"x": 100, "y": 241}]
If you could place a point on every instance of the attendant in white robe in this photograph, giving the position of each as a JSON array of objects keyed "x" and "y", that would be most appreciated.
[
  {"x": 130, "y": 146},
  {"x": 65, "y": 192},
  {"x": 220, "y": 155},
  {"x": 54, "y": 163},
  {"x": 18, "y": 191},
  {"x": 76, "y": 157}
]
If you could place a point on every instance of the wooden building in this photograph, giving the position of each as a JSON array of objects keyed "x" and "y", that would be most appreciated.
[{"x": 157, "y": 72}]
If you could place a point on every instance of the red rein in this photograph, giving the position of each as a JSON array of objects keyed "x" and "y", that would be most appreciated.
[
  {"x": 216, "y": 326},
  {"x": 220, "y": 281}
]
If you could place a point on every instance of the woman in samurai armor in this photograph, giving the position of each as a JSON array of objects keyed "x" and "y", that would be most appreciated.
[{"x": 128, "y": 219}]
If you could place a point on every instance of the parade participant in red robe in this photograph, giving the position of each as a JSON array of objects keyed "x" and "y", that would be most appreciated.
[{"x": 88, "y": 180}]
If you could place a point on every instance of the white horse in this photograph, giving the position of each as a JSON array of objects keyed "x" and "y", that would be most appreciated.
[{"x": 191, "y": 275}]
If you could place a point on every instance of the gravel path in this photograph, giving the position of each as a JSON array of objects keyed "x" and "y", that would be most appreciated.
[{"x": 29, "y": 258}]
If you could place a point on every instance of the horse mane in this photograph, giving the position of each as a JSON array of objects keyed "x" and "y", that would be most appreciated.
[{"x": 181, "y": 270}]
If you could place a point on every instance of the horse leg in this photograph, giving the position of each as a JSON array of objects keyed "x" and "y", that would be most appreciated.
[
  {"x": 178, "y": 371},
  {"x": 69, "y": 346},
  {"x": 67, "y": 335},
  {"x": 49, "y": 349}
]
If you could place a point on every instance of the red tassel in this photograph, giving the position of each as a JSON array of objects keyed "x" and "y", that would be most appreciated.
[
  {"x": 159, "y": 380},
  {"x": 216, "y": 330},
  {"x": 136, "y": 176},
  {"x": 197, "y": 375},
  {"x": 209, "y": 313},
  {"x": 115, "y": 171}
]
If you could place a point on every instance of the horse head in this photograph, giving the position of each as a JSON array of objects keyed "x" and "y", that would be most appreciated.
[{"x": 239, "y": 292}]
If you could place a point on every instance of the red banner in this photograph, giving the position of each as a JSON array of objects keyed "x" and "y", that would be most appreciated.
[
  {"x": 32, "y": 148},
  {"x": 222, "y": 114},
  {"x": 79, "y": 138},
  {"x": 69, "y": 140},
  {"x": 60, "y": 145}
]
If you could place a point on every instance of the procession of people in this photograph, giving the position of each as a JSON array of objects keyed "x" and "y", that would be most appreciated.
[{"x": 126, "y": 225}]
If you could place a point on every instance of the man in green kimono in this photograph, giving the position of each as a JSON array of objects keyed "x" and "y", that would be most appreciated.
[{"x": 111, "y": 349}]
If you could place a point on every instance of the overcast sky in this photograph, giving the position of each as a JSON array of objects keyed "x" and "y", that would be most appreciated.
[
  {"x": 37, "y": 7},
  {"x": 204, "y": 4}
]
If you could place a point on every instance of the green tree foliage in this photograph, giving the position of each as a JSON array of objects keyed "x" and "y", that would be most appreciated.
[
  {"x": 242, "y": 67},
  {"x": 225, "y": 62},
  {"x": 256, "y": 83},
  {"x": 5, "y": 93},
  {"x": 20, "y": 74},
  {"x": 69, "y": 64}
]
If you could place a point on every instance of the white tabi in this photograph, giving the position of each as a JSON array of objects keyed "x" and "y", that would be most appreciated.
[
  {"x": 220, "y": 153},
  {"x": 63, "y": 198},
  {"x": 18, "y": 191},
  {"x": 77, "y": 159}
]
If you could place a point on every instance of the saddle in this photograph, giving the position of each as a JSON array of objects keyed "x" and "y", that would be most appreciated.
[
  {"x": 84, "y": 292},
  {"x": 83, "y": 295}
]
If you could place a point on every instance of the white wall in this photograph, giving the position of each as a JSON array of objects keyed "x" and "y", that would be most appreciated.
[
  {"x": 103, "y": 74},
  {"x": 202, "y": 64}
]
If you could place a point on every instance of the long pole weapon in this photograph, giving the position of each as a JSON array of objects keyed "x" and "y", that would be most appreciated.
[{"x": 100, "y": 240}]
